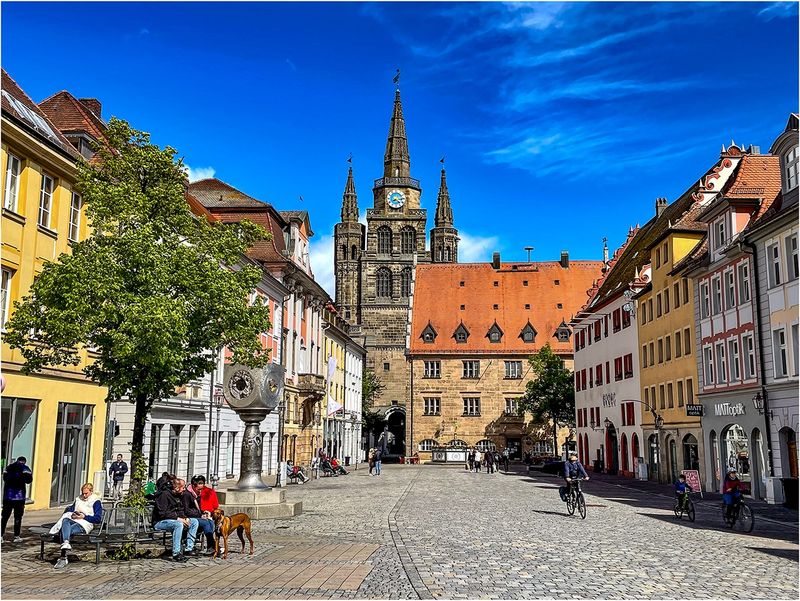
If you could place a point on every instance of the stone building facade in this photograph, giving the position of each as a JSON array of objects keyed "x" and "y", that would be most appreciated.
[
  {"x": 373, "y": 266},
  {"x": 473, "y": 328}
]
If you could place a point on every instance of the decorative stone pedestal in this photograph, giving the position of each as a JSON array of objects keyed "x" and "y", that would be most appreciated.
[{"x": 259, "y": 504}]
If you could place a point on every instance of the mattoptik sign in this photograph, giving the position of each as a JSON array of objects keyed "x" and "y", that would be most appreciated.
[
  {"x": 729, "y": 409},
  {"x": 694, "y": 410}
]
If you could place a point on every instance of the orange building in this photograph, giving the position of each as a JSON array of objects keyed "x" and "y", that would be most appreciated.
[{"x": 473, "y": 328}]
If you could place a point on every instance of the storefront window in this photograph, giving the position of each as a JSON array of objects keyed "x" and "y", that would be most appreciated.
[
  {"x": 18, "y": 429},
  {"x": 737, "y": 452},
  {"x": 714, "y": 458},
  {"x": 691, "y": 461}
]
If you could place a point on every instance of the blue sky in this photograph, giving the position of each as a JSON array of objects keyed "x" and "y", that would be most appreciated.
[{"x": 561, "y": 122}]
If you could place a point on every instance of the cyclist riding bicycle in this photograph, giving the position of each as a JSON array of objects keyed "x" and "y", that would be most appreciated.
[
  {"x": 572, "y": 470},
  {"x": 682, "y": 489},
  {"x": 732, "y": 489}
]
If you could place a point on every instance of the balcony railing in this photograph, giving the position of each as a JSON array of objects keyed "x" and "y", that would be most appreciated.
[
  {"x": 311, "y": 384},
  {"x": 408, "y": 182}
]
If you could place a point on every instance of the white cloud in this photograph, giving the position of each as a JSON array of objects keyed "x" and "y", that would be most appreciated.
[
  {"x": 778, "y": 10},
  {"x": 199, "y": 173},
  {"x": 476, "y": 249},
  {"x": 321, "y": 257}
]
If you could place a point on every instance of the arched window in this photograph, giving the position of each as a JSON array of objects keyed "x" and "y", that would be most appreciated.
[
  {"x": 485, "y": 445},
  {"x": 624, "y": 453},
  {"x": 384, "y": 240},
  {"x": 344, "y": 251},
  {"x": 439, "y": 252},
  {"x": 457, "y": 443},
  {"x": 354, "y": 252},
  {"x": 405, "y": 282},
  {"x": 408, "y": 240},
  {"x": 447, "y": 253},
  {"x": 383, "y": 283},
  {"x": 428, "y": 444},
  {"x": 788, "y": 443},
  {"x": 691, "y": 459}
]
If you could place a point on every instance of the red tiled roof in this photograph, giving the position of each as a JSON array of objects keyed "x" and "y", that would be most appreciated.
[
  {"x": 214, "y": 193},
  {"x": 438, "y": 296},
  {"x": 72, "y": 116},
  {"x": 47, "y": 130}
]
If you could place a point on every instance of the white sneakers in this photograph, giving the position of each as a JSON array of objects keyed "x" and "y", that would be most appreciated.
[
  {"x": 17, "y": 539},
  {"x": 61, "y": 563},
  {"x": 65, "y": 545}
]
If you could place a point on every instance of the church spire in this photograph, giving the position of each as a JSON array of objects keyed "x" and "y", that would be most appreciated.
[
  {"x": 444, "y": 213},
  {"x": 349, "y": 200},
  {"x": 396, "y": 162}
]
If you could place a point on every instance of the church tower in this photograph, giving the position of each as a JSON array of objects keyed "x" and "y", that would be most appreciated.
[
  {"x": 444, "y": 237},
  {"x": 349, "y": 242}
]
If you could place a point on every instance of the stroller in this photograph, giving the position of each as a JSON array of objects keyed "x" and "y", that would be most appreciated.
[
  {"x": 295, "y": 473},
  {"x": 337, "y": 467}
]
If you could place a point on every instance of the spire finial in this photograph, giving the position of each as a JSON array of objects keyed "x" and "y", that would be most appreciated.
[
  {"x": 396, "y": 79},
  {"x": 349, "y": 198},
  {"x": 444, "y": 212}
]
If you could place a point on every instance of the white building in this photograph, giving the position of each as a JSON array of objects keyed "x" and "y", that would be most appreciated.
[{"x": 607, "y": 395}]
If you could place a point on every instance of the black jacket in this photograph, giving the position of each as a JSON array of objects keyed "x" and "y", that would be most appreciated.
[
  {"x": 190, "y": 507},
  {"x": 168, "y": 506},
  {"x": 118, "y": 470}
]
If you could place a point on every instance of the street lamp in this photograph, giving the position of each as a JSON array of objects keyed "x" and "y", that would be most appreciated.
[
  {"x": 218, "y": 399},
  {"x": 758, "y": 403}
]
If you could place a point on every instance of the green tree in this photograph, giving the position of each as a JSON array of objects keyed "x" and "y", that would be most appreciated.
[
  {"x": 550, "y": 396},
  {"x": 371, "y": 388},
  {"x": 148, "y": 292}
]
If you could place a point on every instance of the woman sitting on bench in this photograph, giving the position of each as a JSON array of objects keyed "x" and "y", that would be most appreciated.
[{"x": 79, "y": 518}]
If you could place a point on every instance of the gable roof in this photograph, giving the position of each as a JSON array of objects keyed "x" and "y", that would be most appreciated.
[
  {"x": 215, "y": 193},
  {"x": 18, "y": 106},
  {"x": 438, "y": 297},
  {"x": 72, "y": 116}
]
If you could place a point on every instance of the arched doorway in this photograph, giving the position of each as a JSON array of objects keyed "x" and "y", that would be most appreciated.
[
  {"x": 624, "y": 454},
  {"x": 673, "y": 459},
  {"x": 788, "y": 445},
  {"x": 612, "y": 450},
  {"x": 736, "y": 449},
  {"x": 636, "y": 451},
  {"x": 758, "y": 465},
  {"x": 691, "y": 460},
  {"x": 714, "y": 467},
  {"x": 396, "y": 427}
]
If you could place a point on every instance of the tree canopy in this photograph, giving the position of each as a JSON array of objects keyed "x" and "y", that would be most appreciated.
[{"x": 151, "y": 292}]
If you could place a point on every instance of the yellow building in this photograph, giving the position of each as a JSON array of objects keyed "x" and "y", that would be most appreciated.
[
  {"x": 666, "y": 322},
  {"x": 56, "y": 419}
]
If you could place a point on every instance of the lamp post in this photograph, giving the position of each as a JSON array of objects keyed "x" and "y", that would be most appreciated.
[
  {"x": 219, "y": 399},
  {"x": 758, "y": 403}
]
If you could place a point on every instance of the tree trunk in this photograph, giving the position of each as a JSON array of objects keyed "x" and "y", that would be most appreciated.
[{"x": 137, "y": 443}]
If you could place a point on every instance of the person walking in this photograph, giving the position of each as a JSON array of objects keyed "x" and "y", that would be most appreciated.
[
  {"x": 477, "y": 462},
  {"x": 506, "y": 454},
  {"x": 371, "y": 460},
  {"x": 378, "y": 457},
  {"x": 471, "y": 459},
  {"x": 15, "y": 477},
  {"x": 487, "y": 461},
  {"x": 117, "y": 472}
]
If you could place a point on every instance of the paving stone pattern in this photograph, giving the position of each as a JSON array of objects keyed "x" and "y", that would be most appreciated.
[{"x": 438, "y": 532}]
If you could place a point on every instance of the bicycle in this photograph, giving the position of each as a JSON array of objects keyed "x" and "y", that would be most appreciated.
[
  {"x": 684, "y": 505},
  {"x": 740, "y": 517},
  {"x": 575, "y": 499}
]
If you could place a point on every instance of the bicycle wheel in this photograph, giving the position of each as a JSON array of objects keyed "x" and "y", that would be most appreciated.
[
  {"x": 678, "y": 511},
  {"x": 581, "y": 505},
  {"x": 570, "y": 504},
  {"x": 690, "y": 510},
  {"x": 746, "y": 520}
]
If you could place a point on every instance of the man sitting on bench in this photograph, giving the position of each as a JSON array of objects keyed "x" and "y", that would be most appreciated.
[
  {"x": 79, "y": 518},
  {"x": 169, "y": 515}
]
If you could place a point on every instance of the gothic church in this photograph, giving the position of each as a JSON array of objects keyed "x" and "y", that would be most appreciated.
[{"x": 374, "y": 267}]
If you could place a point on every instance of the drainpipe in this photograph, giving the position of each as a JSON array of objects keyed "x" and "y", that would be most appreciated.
[{"x": 757, "y": 303}]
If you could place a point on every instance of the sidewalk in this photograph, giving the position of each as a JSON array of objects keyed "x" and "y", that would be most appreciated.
[{"x": 777, "y": 513}]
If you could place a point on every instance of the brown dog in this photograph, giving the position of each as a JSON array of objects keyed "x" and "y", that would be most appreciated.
[{"x": 224, "y": 525}]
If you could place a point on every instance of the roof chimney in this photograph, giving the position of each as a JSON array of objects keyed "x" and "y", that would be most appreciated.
[
  {"x": 754, "y": 149},
  {"x": 496, "y": 260},
  {"x": 564, "y": 259},
  {"x": 93, "y": 104},
  {"x": 661, "y": 204}
]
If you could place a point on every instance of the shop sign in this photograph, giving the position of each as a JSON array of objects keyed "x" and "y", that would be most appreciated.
[
  {"x": 729, "y": 409},
  {"x": 694, "y": 411},
  {"x": 693, "y": 479},
  {"x": 610, "y": 399}
]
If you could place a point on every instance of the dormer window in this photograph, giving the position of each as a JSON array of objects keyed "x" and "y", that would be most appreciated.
[
  {"x": 495, "y": 334},
  {"x": 562, "y": 332},
  {"x": 790, "y": 168},
  {"x": 461, "y": 334},
  {"x": 528, "y": 333},
  {"x": 720, "y": 233},
  {"x": 428, "y": 334}
]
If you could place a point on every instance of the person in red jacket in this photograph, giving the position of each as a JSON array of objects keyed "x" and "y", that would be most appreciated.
[
  {"x": 732, "y": 489},
  {"x": 206, "y": 496}
]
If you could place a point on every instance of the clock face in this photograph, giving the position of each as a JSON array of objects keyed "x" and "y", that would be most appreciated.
[{"x": 396, "y": 199}]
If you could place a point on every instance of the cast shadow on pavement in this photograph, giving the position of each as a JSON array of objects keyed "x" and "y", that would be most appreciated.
[{"x": 783, "y": 553}]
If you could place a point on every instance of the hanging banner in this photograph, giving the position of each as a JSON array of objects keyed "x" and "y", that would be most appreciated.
[{"x": 333, "y": 406}]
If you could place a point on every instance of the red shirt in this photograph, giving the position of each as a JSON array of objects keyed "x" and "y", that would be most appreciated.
[{"x": 208, "y": 499}]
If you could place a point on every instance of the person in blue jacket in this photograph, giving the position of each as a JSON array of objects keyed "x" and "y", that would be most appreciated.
[
  {"x": 572, "y": 469},
  {"x": 15, "y": 477},
  {"x": 85, "y": 512}
]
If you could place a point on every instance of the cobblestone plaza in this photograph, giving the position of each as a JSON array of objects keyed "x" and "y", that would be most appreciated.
[{"x": 436, "y": 532}]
